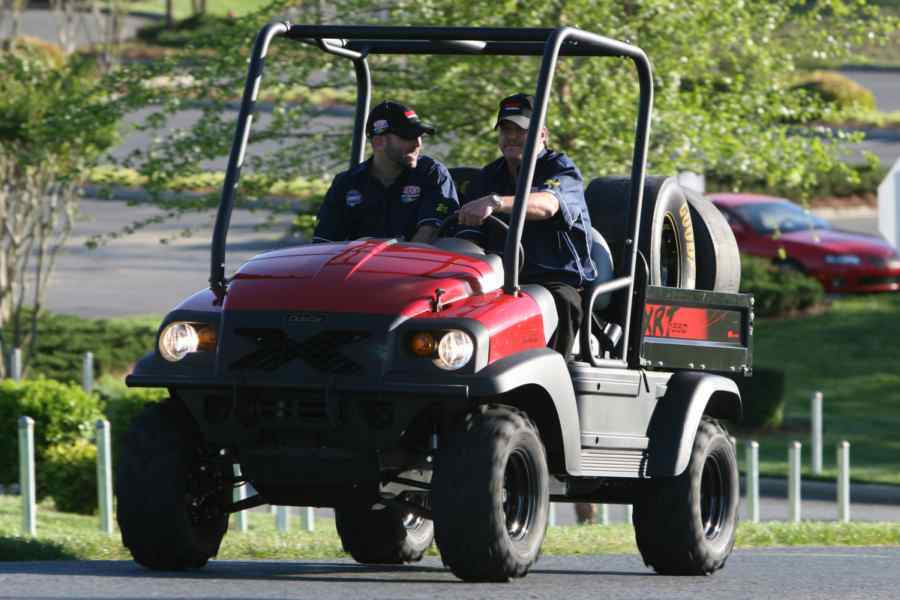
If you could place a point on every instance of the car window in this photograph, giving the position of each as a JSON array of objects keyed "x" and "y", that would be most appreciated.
[{"x": 783, "y": 217}]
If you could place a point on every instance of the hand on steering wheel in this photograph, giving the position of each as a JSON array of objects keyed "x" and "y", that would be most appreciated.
[{"x": 493, "y": 220}]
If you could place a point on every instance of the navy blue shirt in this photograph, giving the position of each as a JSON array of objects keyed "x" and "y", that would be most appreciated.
[
  {"x": 358, "y": 205},
  {"x": 558, "y": 248}
]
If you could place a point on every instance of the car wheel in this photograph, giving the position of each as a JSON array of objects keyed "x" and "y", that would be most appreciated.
[
  {"x": 666, "y": 230},
  {"x": 171, "y": 498},
  {"x": 386, "y": 536},
  {"x": 686, "y": 525},
  {"x": 490, "y": 496},
  {"x": 718, "y": 257}
]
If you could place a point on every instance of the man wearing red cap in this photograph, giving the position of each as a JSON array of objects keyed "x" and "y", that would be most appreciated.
[
  {"x": 557, "y": 233},
  {"x": 397, "y": 193}
]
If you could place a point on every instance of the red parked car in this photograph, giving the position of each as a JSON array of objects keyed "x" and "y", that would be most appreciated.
[{"x": 778, "y": 229}]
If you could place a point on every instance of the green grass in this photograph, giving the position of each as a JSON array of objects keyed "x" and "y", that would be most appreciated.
[
  {"x": 69, "y": 536},
  {"x": 850, "y": 355},
  {"x": 213, "y": 7}
]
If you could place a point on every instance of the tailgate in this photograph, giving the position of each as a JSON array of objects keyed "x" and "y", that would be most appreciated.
[{"x": 697, "y": 330}]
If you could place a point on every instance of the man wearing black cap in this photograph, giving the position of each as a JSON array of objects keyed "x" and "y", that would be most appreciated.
[
  {"x": 397, "y": 193},
  {"x": 557, "y": 234}
]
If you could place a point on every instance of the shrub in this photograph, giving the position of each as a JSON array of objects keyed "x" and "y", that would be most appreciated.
[
  {"x": 62, "y": 413},
  {"x": 762, "y": 395},
  {"x": 63, "y": 339},
  {"x": 778, "y": 291},
  {"x": 838, "y": 90},
  {"x": 70, "y": 476}
]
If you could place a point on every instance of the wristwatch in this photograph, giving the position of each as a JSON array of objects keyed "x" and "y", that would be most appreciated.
[{"x": 496, "y": 202}]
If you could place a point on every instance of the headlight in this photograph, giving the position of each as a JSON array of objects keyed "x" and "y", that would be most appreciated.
[
  {"x": 842, "y": 259},
  {"x": 454, "y": 350},
  {"x": 179, "y": 339}
]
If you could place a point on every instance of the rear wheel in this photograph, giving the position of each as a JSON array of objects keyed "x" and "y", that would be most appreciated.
[
  {"x": 490, "y": 496},
  {"x": 386, "y": 536},
  {"x": 171, "y": 495},
  {"x": 686, "y": 525}
]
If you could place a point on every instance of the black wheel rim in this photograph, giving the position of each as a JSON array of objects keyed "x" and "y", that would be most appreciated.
[
  {"x": 715, "y": 493},
  {"x": 520, "y": 494},
  {"x": 669, "y": 253}
]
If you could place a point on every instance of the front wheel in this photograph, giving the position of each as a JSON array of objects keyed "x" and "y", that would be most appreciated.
[
  {"x": 686, "y": 525},
  {"x": 490, "y": 496},
  {"x": 171, "y": 496}
]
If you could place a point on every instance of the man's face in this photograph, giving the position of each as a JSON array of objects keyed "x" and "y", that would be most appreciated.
[
  {"x": 512, "y": 140},
  {"x": 401, "y": 151}
]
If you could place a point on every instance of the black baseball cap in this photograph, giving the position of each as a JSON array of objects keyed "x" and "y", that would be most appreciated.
[
  {"x": 516, "y": 109},
  {"x": 393, "y": 117}
]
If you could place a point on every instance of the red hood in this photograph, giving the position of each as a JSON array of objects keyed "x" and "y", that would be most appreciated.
[
  {"x": 368, "y": 276},
  {"x": 841, "y": 242}
]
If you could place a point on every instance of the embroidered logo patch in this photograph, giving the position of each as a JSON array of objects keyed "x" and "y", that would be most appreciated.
[
  {"x": 380, "y": 126},
  {"x": 353, "y": 198},
  {"x": 554, "y": 183},
  {"x": 441, "y": 209},
  {"x": 410, "y": 114},
  {"x": 410, "y": 193}
]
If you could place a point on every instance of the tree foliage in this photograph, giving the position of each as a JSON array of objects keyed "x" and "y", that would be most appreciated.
[
  {"x": 722, "y": 74},
  {"x": 54, "y": 125}
]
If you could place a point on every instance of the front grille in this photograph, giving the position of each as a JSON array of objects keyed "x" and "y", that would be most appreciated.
[
  {"x": 324, "y": 351},
  {"x": 256, "y": 407}
]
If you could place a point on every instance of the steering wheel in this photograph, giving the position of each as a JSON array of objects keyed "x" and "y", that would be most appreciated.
[{"x": 493, "y": 220}]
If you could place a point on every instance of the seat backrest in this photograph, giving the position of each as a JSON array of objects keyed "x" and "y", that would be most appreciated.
[{"x": 602, "y": 258}]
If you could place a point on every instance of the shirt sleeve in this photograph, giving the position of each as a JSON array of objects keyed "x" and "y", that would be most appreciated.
[
  {"x": 331, "y": 223},
  {"x": 565, "y": 182},
  {"x": 439, "y": 197}
]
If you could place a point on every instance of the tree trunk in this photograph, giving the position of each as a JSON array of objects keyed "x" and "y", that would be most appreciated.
[{"x": 170, "y": 14}]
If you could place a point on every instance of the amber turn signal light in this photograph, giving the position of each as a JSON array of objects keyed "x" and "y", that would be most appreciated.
[{"x": 422, "y": 344}]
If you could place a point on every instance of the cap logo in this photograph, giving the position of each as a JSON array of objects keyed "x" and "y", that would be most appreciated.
[
  {"x": 380, "y": 126},
  {"x": 511, "y": 104},
  {"x": 354, "y": 198},
  {"x": 410, "y": 114}
]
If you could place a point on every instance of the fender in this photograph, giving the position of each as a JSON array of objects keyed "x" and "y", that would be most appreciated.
[
  {"x": 689, "y": 395},
  {"x": 544, "y": 368}
]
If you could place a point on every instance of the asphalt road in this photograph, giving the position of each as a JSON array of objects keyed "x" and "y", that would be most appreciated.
[{"x": 797, "y": 573}]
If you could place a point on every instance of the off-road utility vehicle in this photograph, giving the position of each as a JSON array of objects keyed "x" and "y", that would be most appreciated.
[{"x": 409, "y": 386}]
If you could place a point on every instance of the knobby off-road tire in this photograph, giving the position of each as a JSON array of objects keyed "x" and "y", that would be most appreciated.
[
  {"x": 718, "y": 257},
  {"x": 388, "y": 536},
  {"x": 490, "y": 496},
  {"x": 159, "y": 473},
  {"x": 666, "y": 230},
  {"x": 686, "y": 525}
]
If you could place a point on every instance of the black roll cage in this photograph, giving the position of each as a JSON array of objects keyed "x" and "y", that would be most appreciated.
[{"x": 358, "y": 42}]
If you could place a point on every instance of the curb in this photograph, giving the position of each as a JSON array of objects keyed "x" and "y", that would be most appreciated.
[
  {"x": 827, "y": 212},
  {"x": 860, "y": 493}
]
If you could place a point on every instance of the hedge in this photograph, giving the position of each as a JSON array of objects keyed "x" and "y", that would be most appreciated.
[
  {"x": 69, "y": 474},
  {"x": 63, "y": 339},
  {"x": 778, "y": 291},
  {"x": 63, "y": 414}
]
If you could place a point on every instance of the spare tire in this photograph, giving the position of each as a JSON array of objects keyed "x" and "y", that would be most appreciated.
[
  {"x": 718, "y": 257},
  {"x": 666, "y": 230}
]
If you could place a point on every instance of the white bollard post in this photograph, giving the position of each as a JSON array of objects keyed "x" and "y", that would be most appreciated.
[
  {"x": 629, "y": 513},
  {"x": 283, "y": 519},
  {"x": 87, "y": 372},
  {"x": 551, "y": 516},
  {"x": 26, "y": 476},
  {"x": 843, "y": 491},
  {"x": 794, "y": 454},
  {"x": 816, "y": 422},
  {"x": 308, "y": 515},
  {"x": 239, "y": 493},
  {"x": 104, "y": 476},
  {"x": 15, "y": 366},
  {"x": 603, "y": 514},
  {"x": 753, "y": 481}
]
